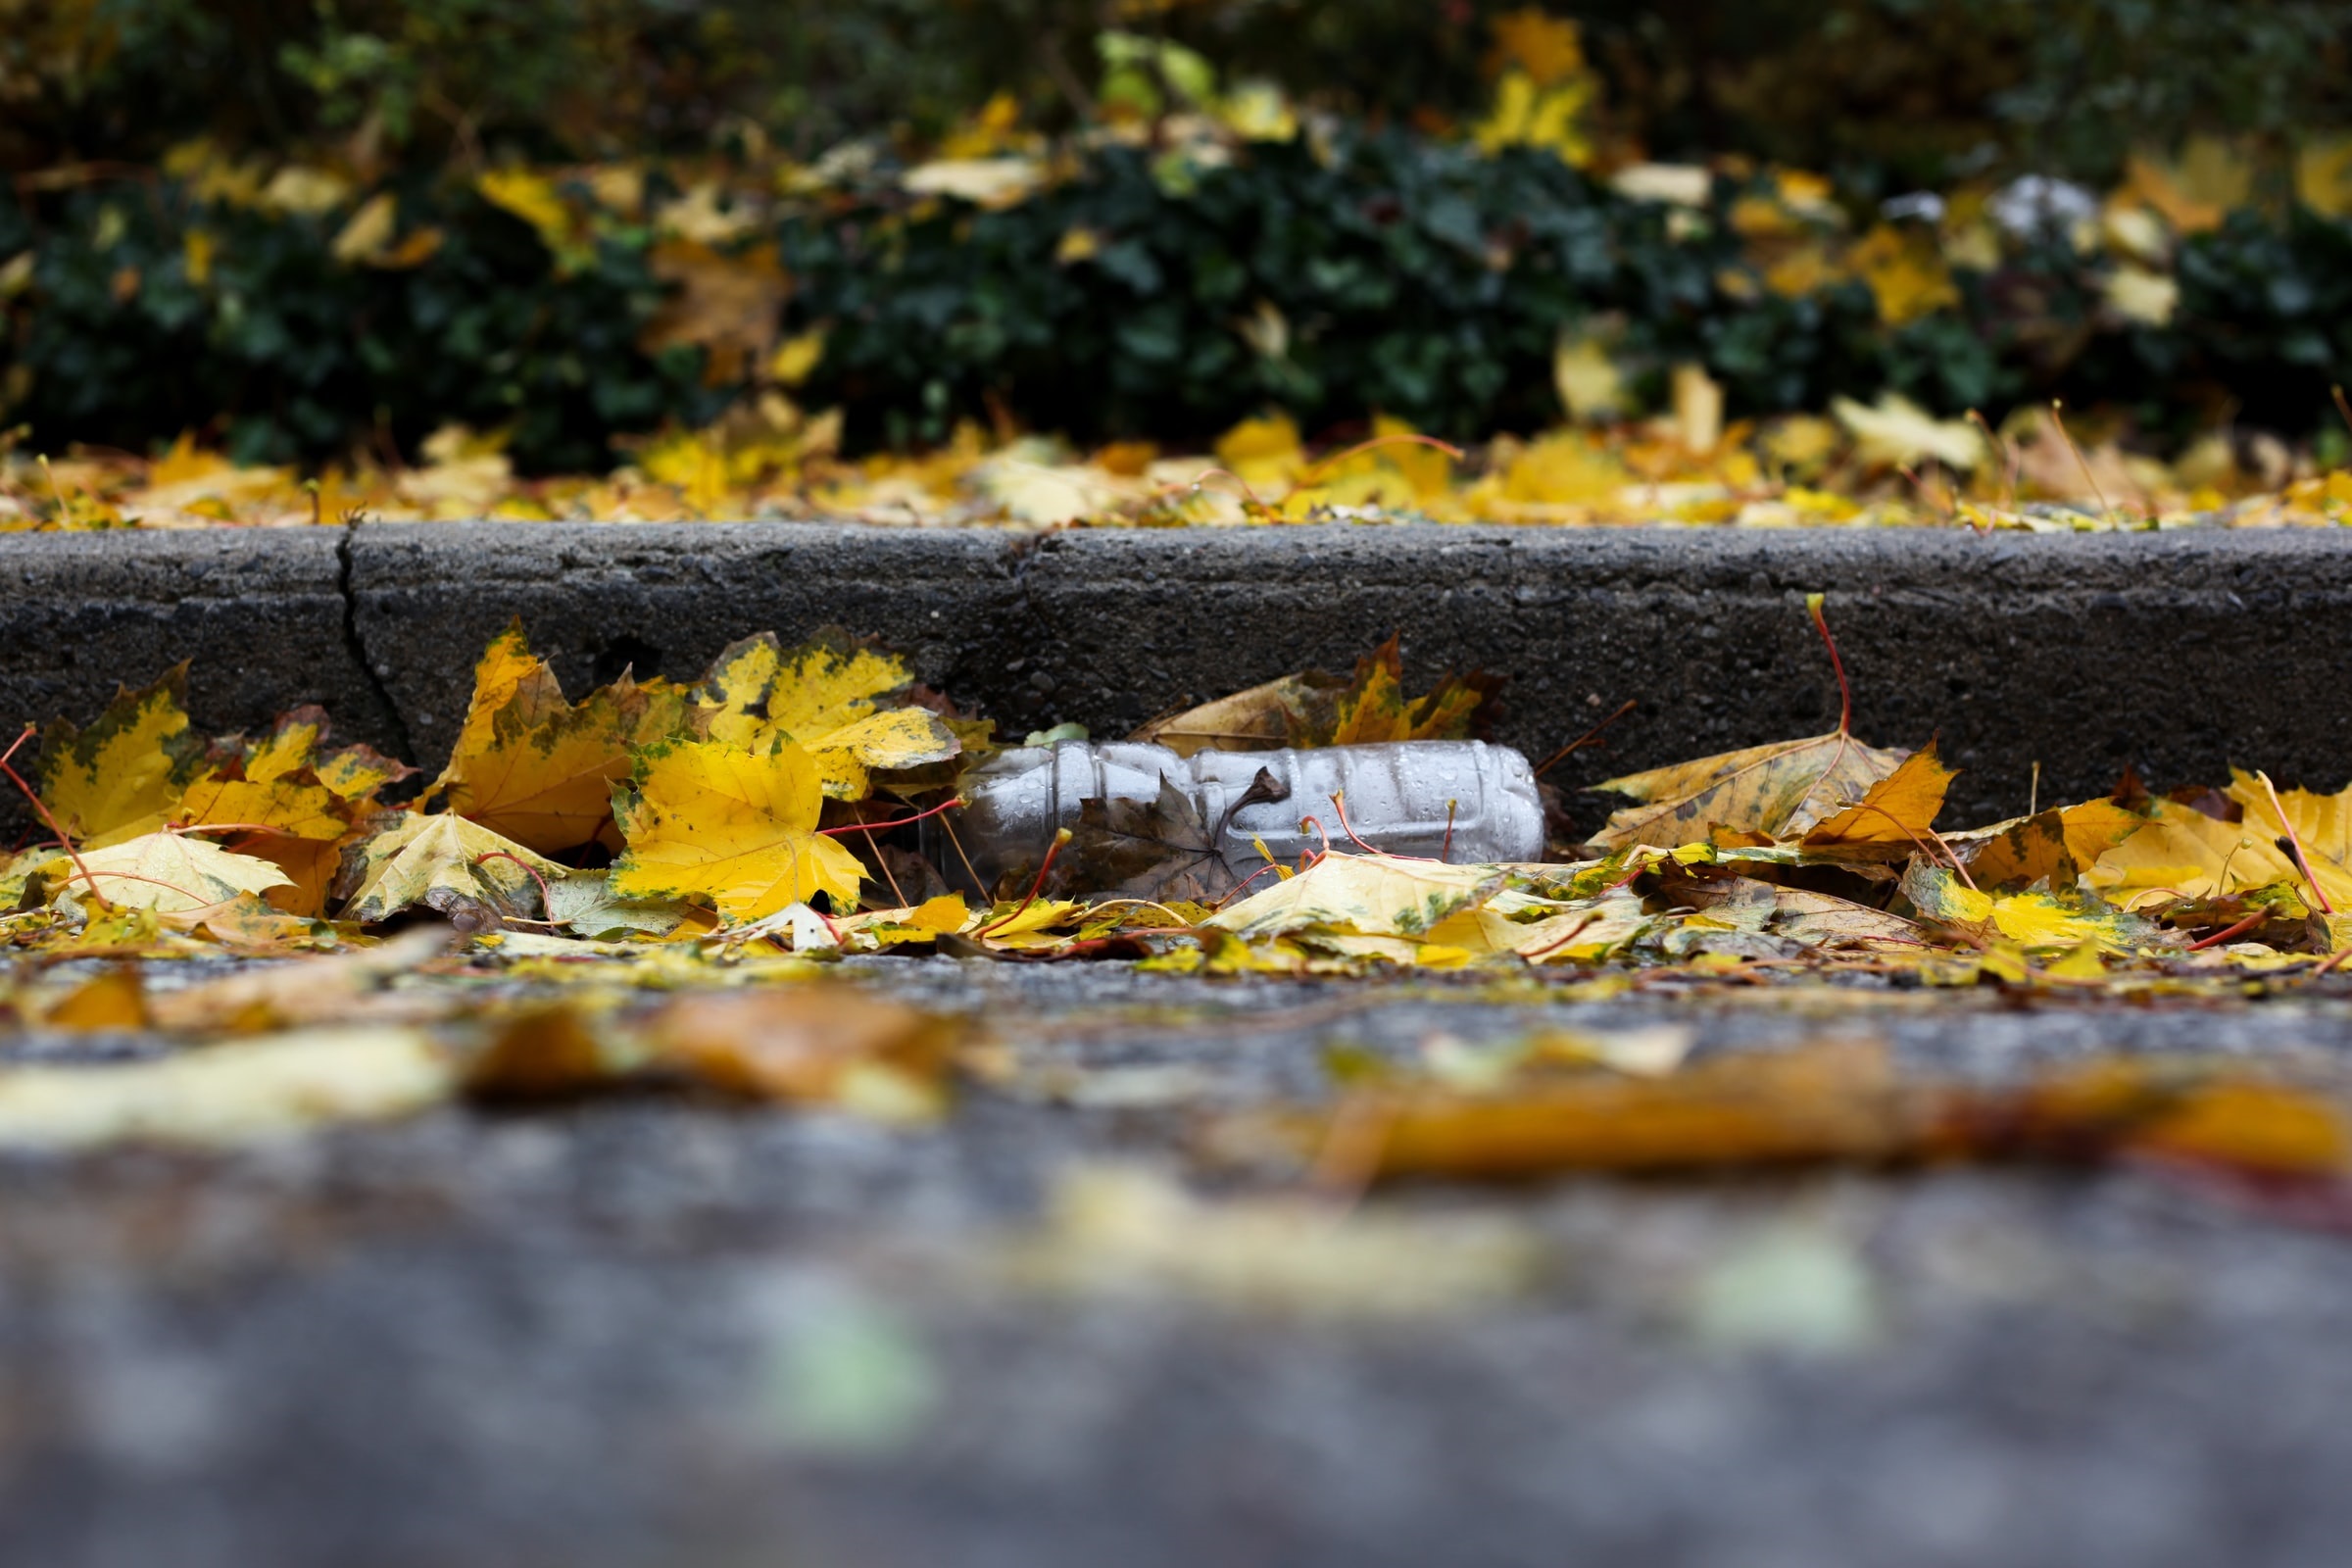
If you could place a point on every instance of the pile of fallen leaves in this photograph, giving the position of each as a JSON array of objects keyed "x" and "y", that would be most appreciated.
[
  {"x": 600, "y": 893},
  {"x": 772, "y": 806},
  {"x": 1882, "y": 465}
]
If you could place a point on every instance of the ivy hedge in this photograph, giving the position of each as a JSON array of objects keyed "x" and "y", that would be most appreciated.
[{"x": 1374, "y": 272}]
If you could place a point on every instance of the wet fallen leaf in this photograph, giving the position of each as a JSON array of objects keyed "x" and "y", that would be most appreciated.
[
  {"x": 1894, "y": 817},
  {"x": 536, "y": 768},
  {"x": 817, "y": 1044},
  {"x": 2053, "y": 846},
  {"x": 1265, "y": 717},
  {"x": 121, "y": 777},
  {"x": 585, "y": 903},
  {"x": 114, "y": 999},
  {"x": 826, "y": 696},
  {"x": 1374, "y": 707},
  {"x": 1364, "y": 895},
  {"x": 901, "y": 739},
  {"x": 712, "y": 821},
  {"x": 170, "y": 873},
  {"x": 1782, "y": 790},
  {"x": 231, "y": 1095},
  {"x": 1836, "y": 1101},
  {"x": 310, "y": 991},
  {"x": 450, "y": 866}
]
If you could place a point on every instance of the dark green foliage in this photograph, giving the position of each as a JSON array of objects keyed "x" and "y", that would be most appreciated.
[
  {"x": 1883, "y": 92},
  {"x": 286, "y": 353}
]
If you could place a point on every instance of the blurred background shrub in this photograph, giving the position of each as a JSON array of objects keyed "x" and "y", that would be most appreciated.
[
  {"x": 1882, "y": 94},
  {"x": 297, "y": 226}
]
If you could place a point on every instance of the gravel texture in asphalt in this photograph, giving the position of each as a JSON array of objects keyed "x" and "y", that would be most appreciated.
[{"x": 653, "y": 1329}]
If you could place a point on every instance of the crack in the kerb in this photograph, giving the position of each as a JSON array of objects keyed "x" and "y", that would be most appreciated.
[{"x": 396, "y": 722}]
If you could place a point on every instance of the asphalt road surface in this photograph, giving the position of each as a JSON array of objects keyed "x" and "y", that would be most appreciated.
[{"x": 652, "y": 1329}]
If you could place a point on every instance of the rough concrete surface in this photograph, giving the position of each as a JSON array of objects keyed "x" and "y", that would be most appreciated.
[
  {"x": 600, "y": 1334},
  {"x": 263, "y": 614},
  {"x": 2176, "y": 653}
]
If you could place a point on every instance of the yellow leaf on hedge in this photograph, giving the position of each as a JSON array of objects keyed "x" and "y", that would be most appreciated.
[
  {"x": 533, "y": 199},
  {"x": 732, "y": 826},
  {"x": 797, "y": 357},
  {"x": 1545, "y": 46},
  {"x": 369, "y": 231},
  {"x": 727, "y": 304},
  {"x": 121, "y": 777},
  {"x": 1906, "y": 273},
  {"x": 1591, "y": 385}
]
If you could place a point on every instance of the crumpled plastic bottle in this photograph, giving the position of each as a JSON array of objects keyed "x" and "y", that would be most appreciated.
[{"x": 1219, "y": 814}]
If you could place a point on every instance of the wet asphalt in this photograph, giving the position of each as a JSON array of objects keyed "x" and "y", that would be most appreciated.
[{"x": 657, "y": 1329}]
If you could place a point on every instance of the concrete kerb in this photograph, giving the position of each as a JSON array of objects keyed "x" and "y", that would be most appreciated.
[{"x": 2177, "y": 653}]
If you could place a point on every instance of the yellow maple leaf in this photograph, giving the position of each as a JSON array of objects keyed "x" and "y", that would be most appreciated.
[
  {"x": 822, "y": 695},
  {"x": 1374, "y": 711},
  {"x": 291, "y": 751},
  {"x": 2182, "y": 852},
  {"x": 447, "y": 863},
  {"x": 902, "y": 737},
  {"x": 731, "y": 826},
  {"x": 301, "y": 828},
  {"x": 356, "y": 773},
  {"x": 1782, "y": 790},
  {"x": 1365, "y": 894},
  {"x": 2053, "y": 845},
  {"x": 2031, "y": 920},
  {"x": 1263, "y": 453},
  {"x": 539, "y": 769},
  {"x": 1893, "y": 813},
  {"x": 170, "y": 873},
  {"x": 727, "y": 304},
  {"x": 1906, "y": 273},
  {"x": 289, "y": 815},
  {"x": 1374, "y": 707},
  {"x": 758, "y": 689},
  {"x": 120, "y": 779}
]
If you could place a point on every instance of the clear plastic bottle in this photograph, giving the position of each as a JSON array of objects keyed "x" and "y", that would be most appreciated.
[{"x": 1465, "y": 800}]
